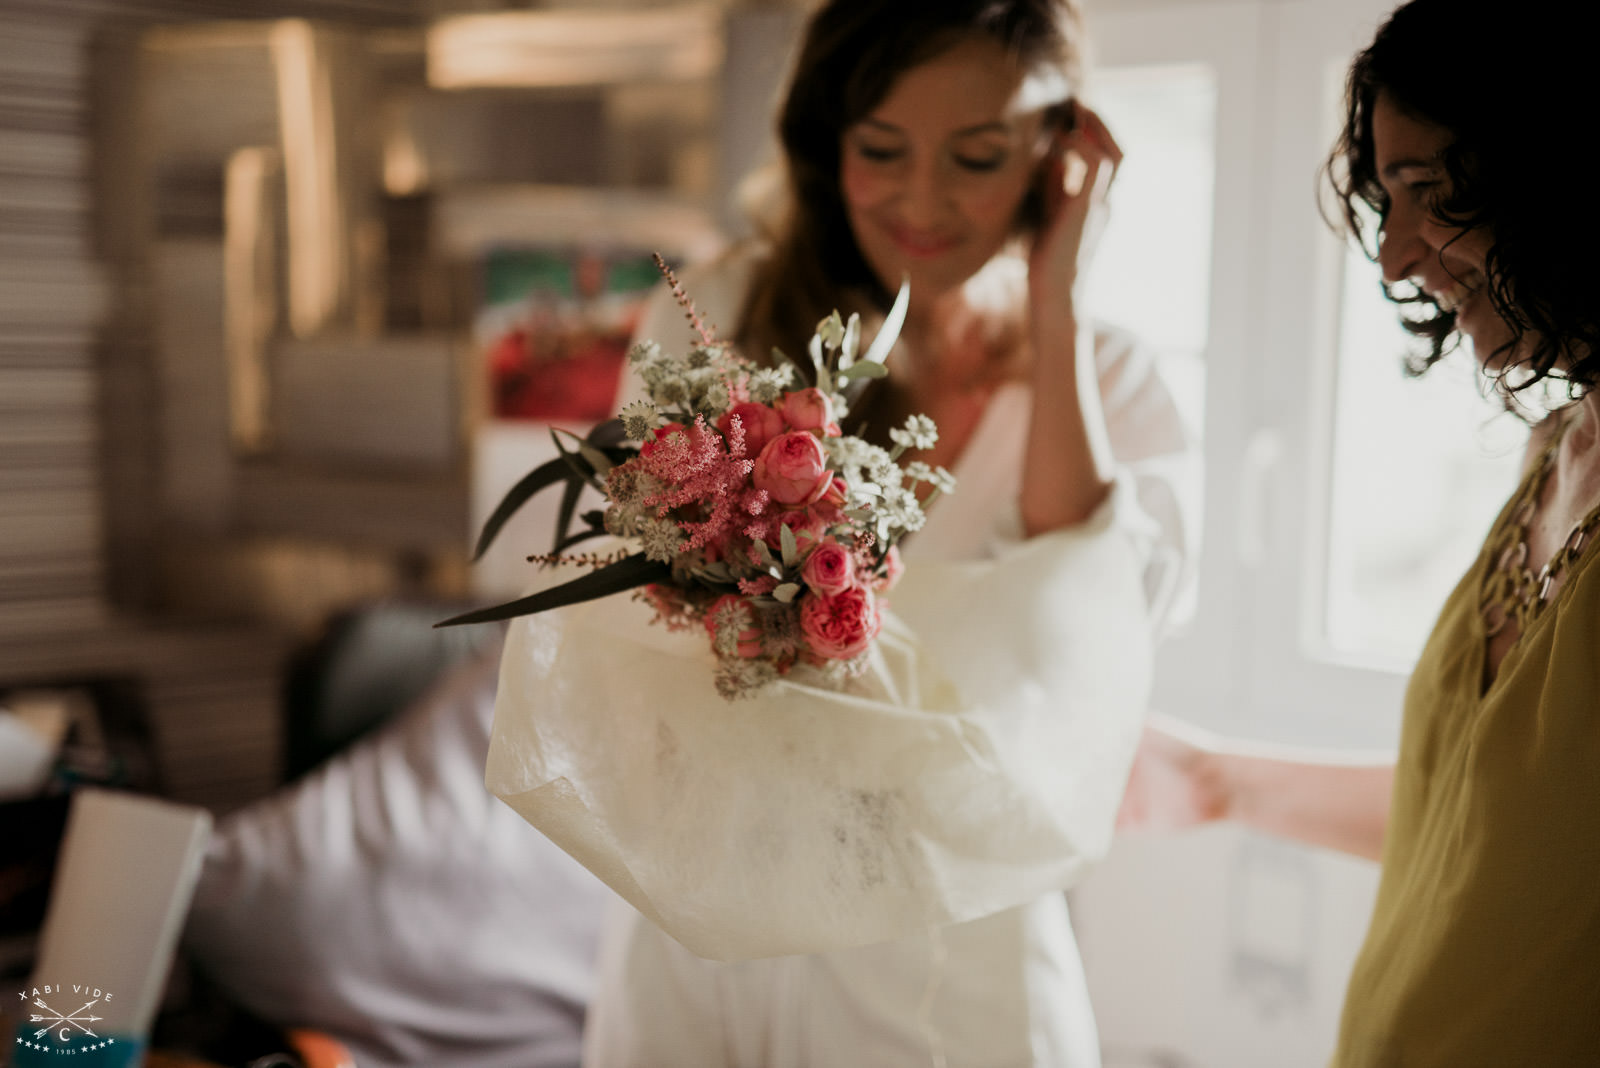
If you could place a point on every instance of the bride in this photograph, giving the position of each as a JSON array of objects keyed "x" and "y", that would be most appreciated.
[{"x": 944, "y": 144}]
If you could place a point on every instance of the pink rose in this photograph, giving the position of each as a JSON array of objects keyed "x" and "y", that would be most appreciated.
[
  {"x": 809, "y": 409},
  {"x": 793, "y": 469},
  {"x": 840, "y": 627},
  {"x": 761, "y": 424},
  {"x": 749, "y": 636},
  {"x": 829, "y": 569},
  {"x": 892, "y": 570},
  {"x": 826, "y": 510}
]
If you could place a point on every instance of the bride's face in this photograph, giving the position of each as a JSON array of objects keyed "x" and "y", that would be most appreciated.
[{"x": 934, "y": 176}]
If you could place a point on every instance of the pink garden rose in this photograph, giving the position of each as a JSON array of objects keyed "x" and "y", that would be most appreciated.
[
  {"x": 829, "y": 569},
  {"x": 761, "y": 424},
  {"x": 793, "y": 469},
  {"x": 749, "y": 637},
  {"x": 809, "y": 409},
  {"x": 840, "y": 627}
]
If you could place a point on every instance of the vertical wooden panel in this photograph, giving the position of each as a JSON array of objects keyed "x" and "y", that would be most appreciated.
[{"x": 80, "y": 441}]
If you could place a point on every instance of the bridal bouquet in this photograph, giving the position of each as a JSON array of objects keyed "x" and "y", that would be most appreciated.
[{"x": 749, "y": 512}]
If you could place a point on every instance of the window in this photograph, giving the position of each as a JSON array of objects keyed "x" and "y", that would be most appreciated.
[
  {"x": 1343, "y": 500},
  {"x": 1420, "y": 468},
  {"x": 1152, "y": 269}
]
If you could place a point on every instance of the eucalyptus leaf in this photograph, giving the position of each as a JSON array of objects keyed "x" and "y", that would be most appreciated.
[
  {"x": 889, "y": 332},
  {"x": 786, "y": 592},
  {"x": 863, "y": 369},
  {"x": 576, "y": 460},
  {"x": 791, "y": 550},
  {"x": 607, "y": 435},
  {"x": 831, "y": 330},
  {"x": 559, "y": 432},
  {"x": 717, "y": 571},
  {"x": 569, "y": 504},
  {"x": 626, "y": 574},
  {"x": 852, "y": 340},
  {"x": 764, "y": 554},
  {"x": 545, "y": 475},
  {"x": 598, "y": 460}
]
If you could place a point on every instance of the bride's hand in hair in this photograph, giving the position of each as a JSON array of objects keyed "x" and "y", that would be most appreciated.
[
  {"x": 1068, "y": 468},
  {"x": 1076, "y": 178}
]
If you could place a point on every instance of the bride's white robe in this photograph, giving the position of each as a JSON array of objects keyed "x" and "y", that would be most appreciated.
[{"x": 1006, "y": 988}]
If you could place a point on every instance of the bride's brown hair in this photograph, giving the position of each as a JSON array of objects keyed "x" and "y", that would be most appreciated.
[{"x": 851, "y": 55}]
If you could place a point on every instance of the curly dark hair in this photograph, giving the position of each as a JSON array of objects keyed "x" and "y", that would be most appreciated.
[
  {"x": 852, "y": 53},
  {"x": 1506, "y": 82}
]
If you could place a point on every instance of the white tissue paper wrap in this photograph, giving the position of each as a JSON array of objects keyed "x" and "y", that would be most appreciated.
[{"x": 977, "y": 765}]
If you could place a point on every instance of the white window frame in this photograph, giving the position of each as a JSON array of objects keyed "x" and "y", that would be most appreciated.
[{"x": 1250, "y": 663}]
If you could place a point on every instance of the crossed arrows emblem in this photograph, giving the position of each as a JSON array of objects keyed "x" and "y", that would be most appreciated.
[{"x": 75, "y": 1019}]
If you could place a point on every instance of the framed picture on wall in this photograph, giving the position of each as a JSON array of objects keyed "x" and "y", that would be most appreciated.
[
  {"x": 563, "y": 273},
  {"x": 554, "y": 328}
]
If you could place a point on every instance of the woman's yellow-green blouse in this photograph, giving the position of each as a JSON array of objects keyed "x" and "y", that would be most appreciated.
[{"x": 1484, "y": 947}]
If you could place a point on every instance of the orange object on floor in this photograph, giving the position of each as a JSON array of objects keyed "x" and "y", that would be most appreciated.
[{"x": 319, "y": 1050}]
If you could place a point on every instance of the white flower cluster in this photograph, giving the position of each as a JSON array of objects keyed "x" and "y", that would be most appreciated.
[
  {"x": 639, "y": 419},
  {"x": 878, "y": 490},
  {"x": 680, "y": 386},
  {"x": 918, "y": 433},
  {"x": 767, "y": 384},
  {"x": 627, "y": 517}
]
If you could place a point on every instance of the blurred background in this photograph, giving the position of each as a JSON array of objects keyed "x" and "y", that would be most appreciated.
[{"x": 291, "y": 290}]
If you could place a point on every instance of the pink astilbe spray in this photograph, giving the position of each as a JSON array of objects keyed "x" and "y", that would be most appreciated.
[
  {"x": 706, "y": 332},
  {"x": 757, "y": 586},
  {"x": 698, "y": 468}
]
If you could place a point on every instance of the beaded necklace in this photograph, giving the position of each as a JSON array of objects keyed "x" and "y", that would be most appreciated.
[{"x": 1512, "y": 591}]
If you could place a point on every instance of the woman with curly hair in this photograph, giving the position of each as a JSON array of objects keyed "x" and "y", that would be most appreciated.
[{"x": 1484, "y": 945}]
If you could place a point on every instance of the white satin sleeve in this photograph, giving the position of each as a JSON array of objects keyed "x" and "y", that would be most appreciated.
[
  {"x": 1159, "y": 462},
  {"x": 977, "y": 765},
  {"x": 1155, "y": 488}
]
